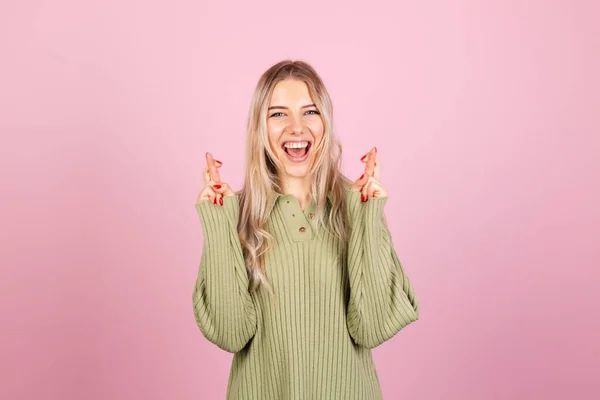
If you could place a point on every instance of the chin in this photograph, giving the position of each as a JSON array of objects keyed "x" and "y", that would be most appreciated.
[{"x": 295, "y": 171}]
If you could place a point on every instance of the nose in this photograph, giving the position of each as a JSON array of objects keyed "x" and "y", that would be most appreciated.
[{"x": 296, "y": 127}]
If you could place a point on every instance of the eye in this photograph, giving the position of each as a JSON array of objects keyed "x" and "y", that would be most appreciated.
[
  {"x": 315, "y": 112},
  {"x": 274, "y": 114}
]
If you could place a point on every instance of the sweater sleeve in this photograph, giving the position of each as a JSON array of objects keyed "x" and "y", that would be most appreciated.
[
  {"x": 223, "y": 306},
  {"x": 382, "y": 300}
]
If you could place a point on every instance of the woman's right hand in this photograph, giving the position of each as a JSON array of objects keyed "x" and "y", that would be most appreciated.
[{"x": 214, "y": 190}]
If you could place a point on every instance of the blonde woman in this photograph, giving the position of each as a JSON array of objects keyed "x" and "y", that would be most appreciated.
[{"x": 298, "y": 275}]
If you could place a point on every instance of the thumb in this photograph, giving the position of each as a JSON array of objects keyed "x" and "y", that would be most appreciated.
[{"x": 359, "y": 183}]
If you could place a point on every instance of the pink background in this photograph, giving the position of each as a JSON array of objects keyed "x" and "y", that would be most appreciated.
[{"x": 486, "y": 117}]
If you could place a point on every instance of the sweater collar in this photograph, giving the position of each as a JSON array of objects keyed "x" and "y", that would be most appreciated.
[{"x": 279, "y": 196}]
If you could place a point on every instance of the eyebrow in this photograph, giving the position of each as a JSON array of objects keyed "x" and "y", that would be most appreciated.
[{"x": 285, "y": 108}]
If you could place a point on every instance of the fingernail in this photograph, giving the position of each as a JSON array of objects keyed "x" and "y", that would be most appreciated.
[
  {"x": 362, "y": 176},
  {"x": 217, "y": 186},
  {"x": 220, "y": 200},
  {"x": 362, "y": 197},
  {"x": 363, "y": 157},
  {"x": 218, "y": 162}
]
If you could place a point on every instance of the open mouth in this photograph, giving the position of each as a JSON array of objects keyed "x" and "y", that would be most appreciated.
[{"x": 297, "y": 150}]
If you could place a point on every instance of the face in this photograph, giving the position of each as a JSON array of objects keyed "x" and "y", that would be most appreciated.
[{"x": 294, "y": 126}]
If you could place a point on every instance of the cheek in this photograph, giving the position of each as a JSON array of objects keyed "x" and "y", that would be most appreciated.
[
  {"x": 273, "y": 134},
  {"x": 317, "y": 129},
  {"x": 274, "y": 129}
]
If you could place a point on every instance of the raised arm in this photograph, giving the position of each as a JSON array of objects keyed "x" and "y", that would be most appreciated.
[
  {"x": 382, "y": 300},
  {"x": 223, "y": 306}
]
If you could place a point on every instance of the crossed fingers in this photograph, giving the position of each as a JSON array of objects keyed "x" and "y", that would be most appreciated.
[
  {"x": 214, "y": 189},
  {"x": 368, "y": 184},
  {"x": 211, "y": 173}
]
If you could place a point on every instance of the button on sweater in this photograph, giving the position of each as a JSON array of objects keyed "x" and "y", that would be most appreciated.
[{"x": 313, "y": 340}]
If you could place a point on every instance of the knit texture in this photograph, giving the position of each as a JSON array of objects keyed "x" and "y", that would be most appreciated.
[{"x": 314, "y": 340}]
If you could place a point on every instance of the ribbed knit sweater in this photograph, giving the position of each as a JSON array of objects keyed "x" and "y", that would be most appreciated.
[{"x": 314, "y": 340}]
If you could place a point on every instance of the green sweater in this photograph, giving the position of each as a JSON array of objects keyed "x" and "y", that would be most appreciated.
[{"x": 314, "y": 341}]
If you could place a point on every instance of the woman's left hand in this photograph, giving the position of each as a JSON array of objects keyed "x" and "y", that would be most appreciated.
[{"x": 368, "y": 184}]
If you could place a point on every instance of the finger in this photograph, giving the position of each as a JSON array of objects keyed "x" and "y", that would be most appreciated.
[
  {"x": 212, "y": 168},
  {"x": 206, "y": 175},
  {"x": 223, "y": 189},
  {"x": 359, "y": 183},
  {"x": 206, "y": 172},
  {"x": 207, "y": 193},
  {"x": 363, "y": 192},
  {"x": 376, "y": 169},
  {"x": 370, "y": 167},
  {"x": 376, "y": 189},
  {"x": 372, "y": 186}
]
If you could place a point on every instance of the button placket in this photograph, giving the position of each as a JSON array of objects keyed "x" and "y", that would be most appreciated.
[
  {"x": 309, "y": 213},
  {"x": 298, "y": 222}
]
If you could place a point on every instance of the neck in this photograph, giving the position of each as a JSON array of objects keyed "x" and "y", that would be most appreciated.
[{"x": 297, "y": 186}]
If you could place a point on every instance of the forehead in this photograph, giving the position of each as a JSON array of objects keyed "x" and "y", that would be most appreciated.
[{"x": 290, "y": 91}]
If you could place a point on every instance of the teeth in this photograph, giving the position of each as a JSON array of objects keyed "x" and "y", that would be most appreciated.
[{"x": 295, "y": 145}]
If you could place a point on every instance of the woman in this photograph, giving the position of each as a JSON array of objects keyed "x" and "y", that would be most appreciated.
[{"x": 298, "y": 277}]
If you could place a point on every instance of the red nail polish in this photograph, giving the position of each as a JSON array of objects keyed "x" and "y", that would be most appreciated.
[
  {"x": 217, "y": 186},
  {"x": 363, "y": 157},
  {"x": 220, "y": 200},
  {"x": 362, "y": 197},
  {"x": 217, "y": 161},
  {"x": 362, "y": 176}
]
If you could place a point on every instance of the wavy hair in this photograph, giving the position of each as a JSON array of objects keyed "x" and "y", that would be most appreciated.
[{"x": 262, "y": 184}]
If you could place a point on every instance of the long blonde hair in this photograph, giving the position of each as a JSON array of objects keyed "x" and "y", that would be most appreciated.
[{"x": 261, "y": 181}]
